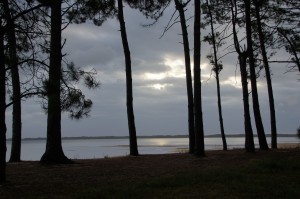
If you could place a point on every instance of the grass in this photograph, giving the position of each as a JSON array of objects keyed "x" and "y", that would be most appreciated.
[
  {"x": 268, "y": 178},
  {"x": 273, "y": 174}
]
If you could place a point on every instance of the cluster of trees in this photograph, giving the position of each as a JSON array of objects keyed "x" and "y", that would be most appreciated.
[
  {"x": 258, "y": 29},
  {"x": 254, "y": 30},
  {"x": 32, "y": 62}
]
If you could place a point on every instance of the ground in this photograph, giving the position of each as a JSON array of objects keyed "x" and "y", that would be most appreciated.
[{"x": 30, "y": 179}]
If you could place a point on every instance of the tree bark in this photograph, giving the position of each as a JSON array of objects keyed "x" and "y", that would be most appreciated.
[
  {"x": 189, "y": 83},
  {"x": 13, "y": 61},
  {"x": 130, "y": 114},
  {"x": 268, "y": 77},
  {"x": 217, "y": 72},
  {"x": 256, "y": 109},
  {"x": 199, "y": 129},
  {"x": 54, "y": 153},
  {"x": 2, "y": 110}
]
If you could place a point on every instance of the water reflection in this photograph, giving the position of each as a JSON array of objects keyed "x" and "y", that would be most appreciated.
[{"x": 99, "y": 148}]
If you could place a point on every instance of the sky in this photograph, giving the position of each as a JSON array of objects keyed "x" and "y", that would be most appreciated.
[{"x": 159, "y": 88}]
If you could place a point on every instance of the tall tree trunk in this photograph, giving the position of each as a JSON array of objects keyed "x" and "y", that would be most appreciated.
[
  {"x": 189, "y": 84},
  {"x": 13, "y": 62},
  {"x": 268, "y": 76},
  {"x": 258, "y": 120},
  {"x": 249, "y": 142},
  {"x": 17, "y": 114},
  {"x": 199, "y": 129},
  {"x": 217, "y": 72},
  {"x": 130, "y": 114},
  {"x": 54, "y": 153},
  {"x": 2, "y": 110}
]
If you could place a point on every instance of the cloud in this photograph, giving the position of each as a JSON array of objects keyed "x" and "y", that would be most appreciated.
[{"x": 159, "y": 86}]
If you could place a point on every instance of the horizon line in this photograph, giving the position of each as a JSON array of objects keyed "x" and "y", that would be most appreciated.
[{"x": 150, "y": 136}]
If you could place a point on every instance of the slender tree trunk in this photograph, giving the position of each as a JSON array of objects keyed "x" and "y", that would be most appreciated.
[
  {"x": 220, "y": 113},
  {"x": 199, "y": 129},
  {"x": 13, "y": 61},
  {"x": 54, "y": 153},
  {"x": 189, "y": 83},
  {"x": 2, "y": 110},
  {"x": 258, "y": 120},
  {"x": 217, "y": 72},
  {"x": 130, "y": 114},
  {"x": 268, "y": 77},
  {"x": 249, "y": 142}
]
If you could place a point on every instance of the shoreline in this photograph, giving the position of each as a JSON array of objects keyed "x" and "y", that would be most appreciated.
[{"x": 288, "y": 145}]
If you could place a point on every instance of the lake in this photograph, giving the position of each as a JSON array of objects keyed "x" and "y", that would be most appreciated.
[{"x": 100, "y": 148}]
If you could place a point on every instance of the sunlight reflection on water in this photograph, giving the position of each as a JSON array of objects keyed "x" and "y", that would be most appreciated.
[{"x": 99, "y": 148}]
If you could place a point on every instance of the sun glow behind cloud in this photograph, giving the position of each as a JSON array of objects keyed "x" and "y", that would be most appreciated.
[
  {"x": 159, "y": 86},
  {"x": 155, "y": 76},
  {"x": 233, "y": 81},
  {"x": 176, "y": 70}
]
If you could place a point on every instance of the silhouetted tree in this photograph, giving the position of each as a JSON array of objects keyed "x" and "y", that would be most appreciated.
[
  {"x": 256, "y": 109},
  {"x": 217, "y": 66},
  {"x": 199, "y": 129},
  {"x": 180, "y": 7},
  {"x": 154, "y": 9},
  {"x": 129, "y": 94},
  {"x": 61, "y": 94},
  {"x": 54, "y": 152},
  {"x": 2, "y": 105},
  {"x": 5, "y": 27},
  {"x": 261, "y": 36},
  {"x": 242, "y": 57},
  {"x": 30, "y": 37},
  {"x": 13, "y": 63},
  {"x": 98, "y": 12}
]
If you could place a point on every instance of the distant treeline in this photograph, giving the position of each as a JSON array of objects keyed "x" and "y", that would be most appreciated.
[{"x": 150, "y": 136}]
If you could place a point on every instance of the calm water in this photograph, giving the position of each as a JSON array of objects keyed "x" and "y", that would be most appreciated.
[{"x": 99, "y": 148}]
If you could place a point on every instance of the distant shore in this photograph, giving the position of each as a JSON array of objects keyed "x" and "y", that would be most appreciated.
[{"x": 151, "y": 136}]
